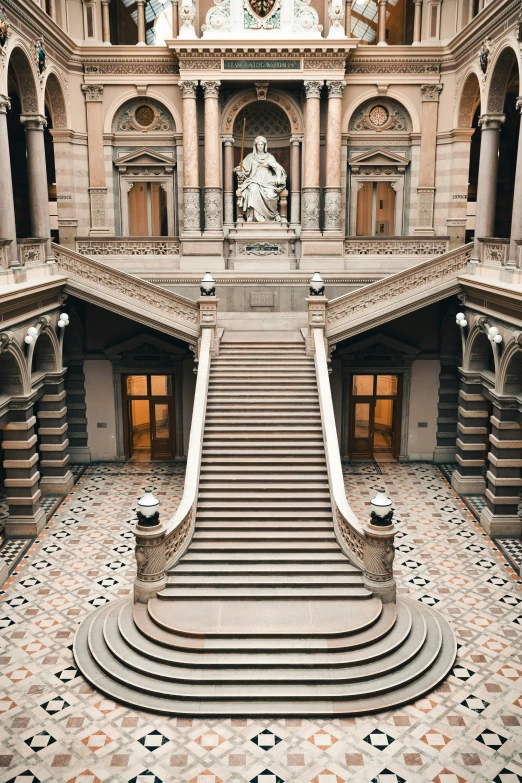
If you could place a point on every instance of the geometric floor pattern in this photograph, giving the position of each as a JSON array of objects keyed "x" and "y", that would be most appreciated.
[{"x": 55, "y": 729}]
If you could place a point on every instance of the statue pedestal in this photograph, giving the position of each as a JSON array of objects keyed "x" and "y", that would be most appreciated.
[{"x": 258, "y": 247}]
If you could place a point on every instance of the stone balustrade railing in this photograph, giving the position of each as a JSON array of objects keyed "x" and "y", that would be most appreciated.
[
  {"x": 368, "y": 547},
  {"x": 31, "y": 251},
  {"x": 397, "y": 294},
  {"x": 396, "y": 246},
  {"x": 124, "y": 246},
  {"x": 132, "y": 297},
  {"x": 493, "y": 251},
  {"x": 160, "y": 547}
]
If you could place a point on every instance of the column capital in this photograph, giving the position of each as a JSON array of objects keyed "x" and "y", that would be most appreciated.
[
  {"x": 228, "y": 141},
  {"x": 518, "y": 103},
  {"x": 211, "y": 88},
  {"x": 313, "y": 89},
  {"x": 5, "y": 104},
  {"x": 335, "y": 89},
  {"x": 296, "y": 140},
  {"x": 431, "y": 92},
  {"x": 105, "y": 2},
  {"x": 92, "y": 92},
  {"x": 33, "y": 121},
  {"x": 188, "y": 89},
  {"x": 491, "y": 121}
]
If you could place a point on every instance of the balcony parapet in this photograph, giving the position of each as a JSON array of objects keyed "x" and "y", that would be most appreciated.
[
  {"x": 128, "y": 246},
  {"x": 396, "y": 246}
]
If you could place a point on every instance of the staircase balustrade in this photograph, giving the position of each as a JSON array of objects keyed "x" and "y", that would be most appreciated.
[
  {"x": 111, "y": 289},
  {"x": 159, "y": 548},
  {"x": 368, "y": 547},
  {"x": 396, "y": 295}
]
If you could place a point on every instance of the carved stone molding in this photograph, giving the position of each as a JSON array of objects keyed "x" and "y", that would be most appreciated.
[
  {"x": 98, "y": 198},
  {"x": 191, "y": 208},
  {"x": 431, "y": 92},
  {"x": 128, "y": 247},
  {"x": 311, "y": 201},
  {"x": 131, "y": 67},
  {"x": 377, "y": 66},
  {"x": 332, "y": 208},
  {"x": 188, "y": 89},
  {"x": 211, "y": 89},
  {"x": 5, "y": 104},
  {"x": 491, "y": 121},
  {"x": 92, "y": 92},
  {"x": 426, "y": 203},
  {"x": 261, "y": 249},
  {"x": 335, "y": 63},
  {"x": 261, "y": 90},
  {"x": 212, "y": 207},
  {"x": 395, "y": 247},
  {"x": 313, "y": 89},
  {"x": 335, "y": 89}
]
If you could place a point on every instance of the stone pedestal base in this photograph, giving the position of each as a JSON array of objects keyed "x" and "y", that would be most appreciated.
[
  {"x": 501, "y": 526},
  {"x": 57, "y": 485},
  {"x": 256, "y": 247},
  {"x": 444, "y": 454},
  {"x": 468, "y": 485},
  {"x": 20, "y": 526},
  {"x": 143, "y": 591}
]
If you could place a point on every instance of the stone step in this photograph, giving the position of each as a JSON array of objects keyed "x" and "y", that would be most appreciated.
[
  {"x": 218, "y": 592},
  {"x": 328, "y": 568},
  {"x": 266, "y": 545},
  {"x": 212, "y": 487},
  {"x": 265, "y": 557},
  {"x": 307, "y": 581},
  {"x": 133, "y": 686},
  {"x": 258, "y": 502},
  {"x": 254, "y": 513},
  {"x": 253, "y": 535}
]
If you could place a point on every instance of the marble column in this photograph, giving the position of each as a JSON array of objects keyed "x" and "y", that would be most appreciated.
[
  {"x": 97, "y": 186},
  {"x": 311, "y": 181},
  {"x": 212, "y": 194},
  {"x": 504, "y": 475},
  {"x": 487, "y": 178},
  {"x": 228, "y": 183},
  {"x": 332, "y": 192},
  {"x": 34, "y": 125},
  {"x": 7, "y": 211},
  {"x": 295, "y": 180},
  {"x": 191, "y": 189},
  {"x": 428, "y": 151},
  {"x": 26, "y": 517},
  {"x": 56, "y": 478},
  {"x": 472, "y": 431},
  {"x": 381, "y": 23},
  {"x": 175, "y": 19},
  {"x": 140, "y": 10},
  {"x": 348, "y": 19},
  {"x": 516, "y": 222},
  {"x": 417, "y": 22},
  {"x": 106, "y": 22}
]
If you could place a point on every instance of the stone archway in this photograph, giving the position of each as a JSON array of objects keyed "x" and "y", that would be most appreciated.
[
  {"x": 469, "y": 101},
  {"x": 55, "y": 102},
  {"x": 287, "y": 103},
  {"x": 21, "y": 72},
  {"x": 501, "y": 76}
]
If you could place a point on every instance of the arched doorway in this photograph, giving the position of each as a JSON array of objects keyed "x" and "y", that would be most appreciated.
[
  {"x": 468, "y": 117},
  {"x": 56, "y": 117},
  {"x": 18, "y": 155}
]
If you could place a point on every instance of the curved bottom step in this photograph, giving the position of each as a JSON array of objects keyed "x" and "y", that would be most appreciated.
[{"x": 99, "y": 650}]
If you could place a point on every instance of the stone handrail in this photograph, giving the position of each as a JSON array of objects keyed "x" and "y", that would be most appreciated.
[
  {"x": 395, "y": 246},
  {"x": 158, "y": 548},
  {"x": 396, "y": 295},
  {"x": 368, "y": 547},
  {"x": 95, "y": 282}
]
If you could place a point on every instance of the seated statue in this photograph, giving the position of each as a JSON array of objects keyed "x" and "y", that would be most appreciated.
[{"x": 261, "y": 180}]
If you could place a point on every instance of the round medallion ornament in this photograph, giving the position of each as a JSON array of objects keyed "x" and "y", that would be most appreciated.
[
  {"x": 379, "y": 116},
  {"x": 144, "y": 116}
]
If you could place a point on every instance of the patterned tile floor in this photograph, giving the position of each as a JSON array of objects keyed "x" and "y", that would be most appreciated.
[{"x": 54, "y": 728}]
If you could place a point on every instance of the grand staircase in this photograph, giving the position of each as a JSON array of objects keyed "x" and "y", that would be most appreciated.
[{"x": 264, "y": 615}]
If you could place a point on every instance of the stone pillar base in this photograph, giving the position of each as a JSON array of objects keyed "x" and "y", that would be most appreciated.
[
  {"x": 79, "y": 454},
  {"x": 468, "y": 485},
  {"x": 386, "y": 591},
  {"x": 444, "y": 454},
  {"x": 57, "y": 485},
  {"x": 501, "y": 525},
  {"x": 25, "y": 526},
  {"x": 143, "y": 591}
]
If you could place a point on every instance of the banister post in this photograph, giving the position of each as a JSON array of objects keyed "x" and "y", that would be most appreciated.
[
  {"x": 150, "y": 553},
  {"x": 379, "y": 550},
  {"x": 316, "y": 319},
  {"x": 208, "y": 303}
]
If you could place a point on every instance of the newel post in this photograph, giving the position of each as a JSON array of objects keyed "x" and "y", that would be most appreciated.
[
  {"x": 379, "y": 550},
  {"x": 317, "y": 303},
  {"x": 207, "y": 304},
  {"x": 149, "y": 531}
]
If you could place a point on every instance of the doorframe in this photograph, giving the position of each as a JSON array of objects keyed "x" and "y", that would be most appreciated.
[{"x": 398, "y": 412}]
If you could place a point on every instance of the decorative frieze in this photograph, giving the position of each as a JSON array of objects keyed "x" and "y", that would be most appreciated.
[
  {"x": 311, "y": 202},
  {"x": 131, "y": 67},
  {"x": 191, "y": 208},
  {"x": 391, "y": 66},
  {"x": 261, "y": 249},
  {"x": 212, "y": 207},
  {"x": 332, "y": 208}
]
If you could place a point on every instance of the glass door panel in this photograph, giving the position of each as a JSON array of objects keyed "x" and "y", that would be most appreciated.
[
  {"x": 383, "y": 426},
  {"x": 140, "y": 425},
  {"x": 385, "y": 210},
  {"x": 365, "y": 210},
  {"x": 362, "y": 428},
  {"x": 138, "y": 210},
  {"x": 161, "y": 430}
]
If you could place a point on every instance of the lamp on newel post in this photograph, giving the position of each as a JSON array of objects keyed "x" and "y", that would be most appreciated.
[
  {"x": 379, "y": 550},
  {"x": 382, "y": 512},
  {"x": 207, "y": 286},
  {"x": 150, "y": 549},
  {"x": 317, "y": 285}
]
